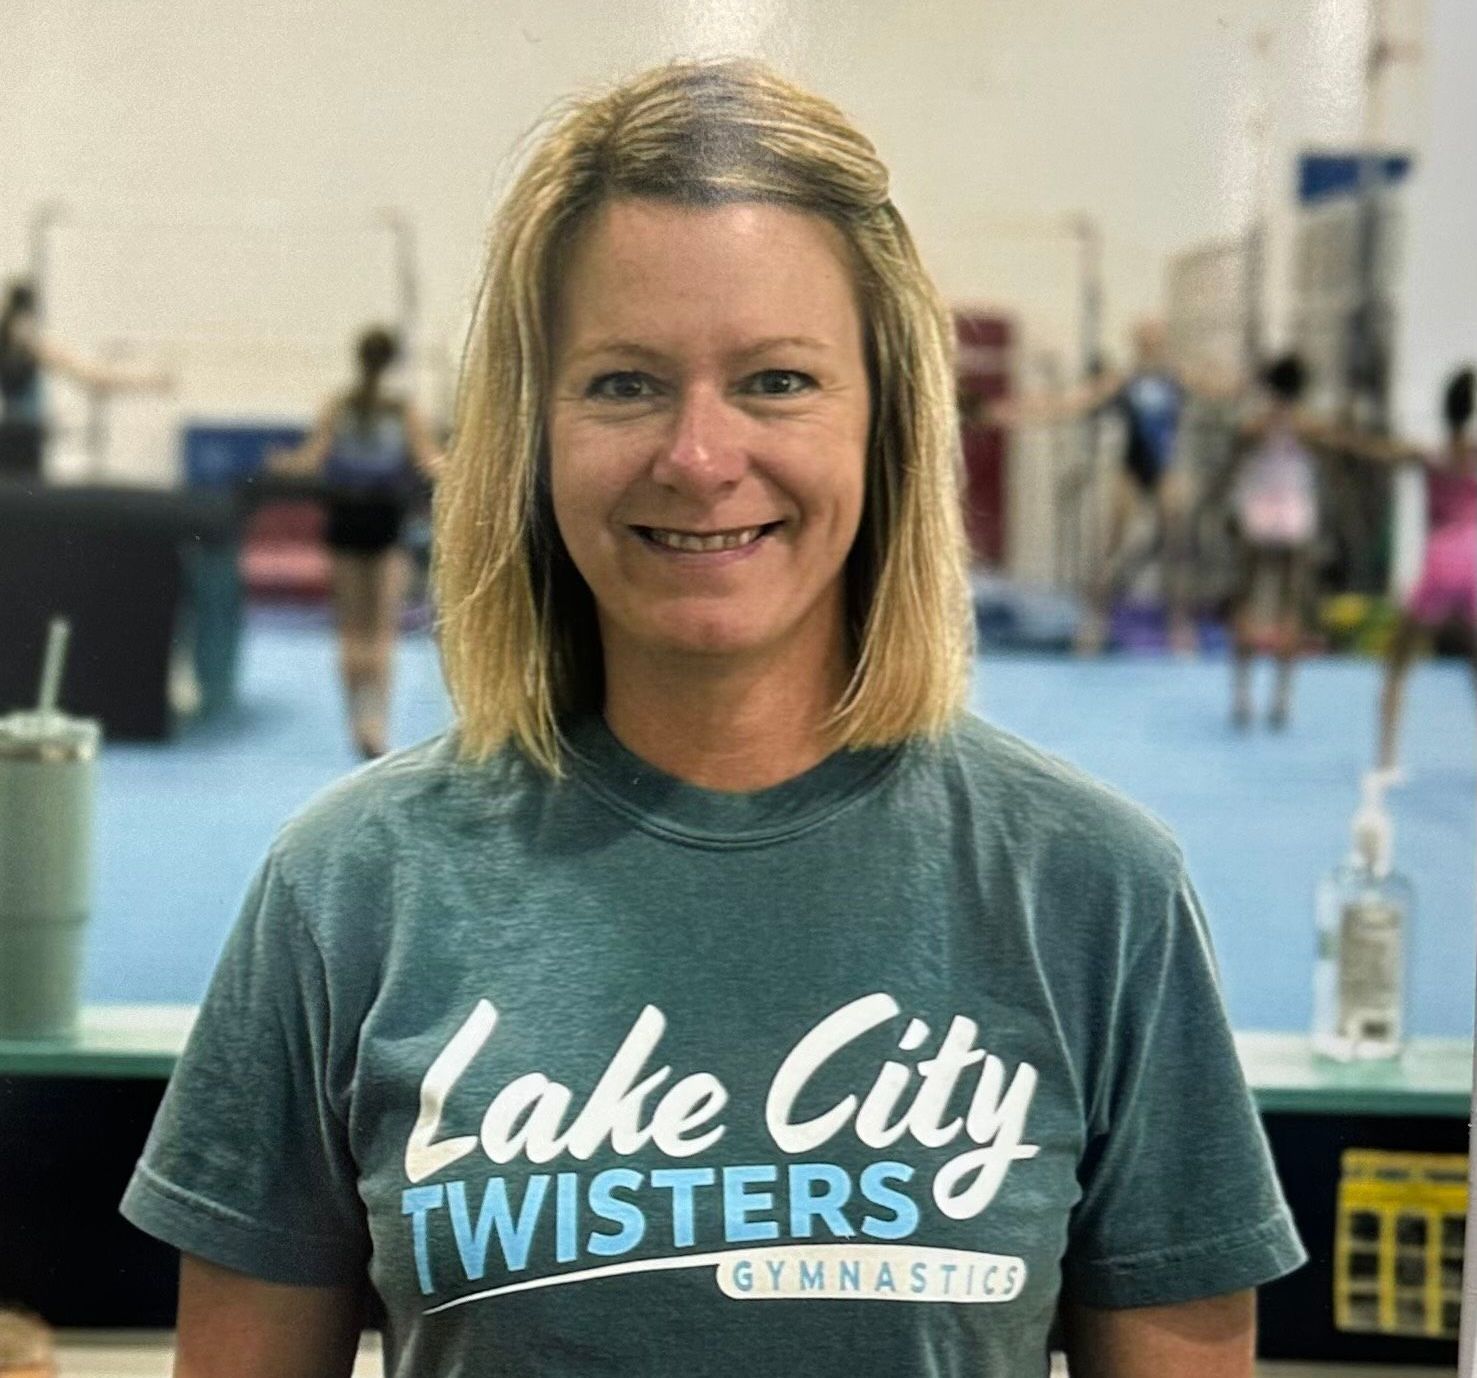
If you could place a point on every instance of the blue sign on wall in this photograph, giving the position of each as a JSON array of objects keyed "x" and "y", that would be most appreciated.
[
  {"x": 221, "y": 454},
  {"x": 1323, "y": 176}
]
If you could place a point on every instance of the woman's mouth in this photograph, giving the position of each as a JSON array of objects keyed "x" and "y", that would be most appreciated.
[{"x": 703, "y": 542}]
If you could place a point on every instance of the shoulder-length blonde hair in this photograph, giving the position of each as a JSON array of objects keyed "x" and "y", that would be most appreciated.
[{"x": 520, "y": 645}]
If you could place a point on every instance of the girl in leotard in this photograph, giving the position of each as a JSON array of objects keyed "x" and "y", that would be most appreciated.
[
  {"x": 1445, "y": 594},
  {"x": 368, "y": 447},
  {"x": 1275, "y": 501},
  {"x": 1150, "y": 402},
  {"x": 25, "y": 356}
]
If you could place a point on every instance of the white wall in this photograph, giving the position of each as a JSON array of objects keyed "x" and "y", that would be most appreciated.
[
  {"x": 1438, "y": 325},
  {"x": 997, "y": 117}
]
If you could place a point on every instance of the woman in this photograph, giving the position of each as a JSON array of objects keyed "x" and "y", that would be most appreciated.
[
  {"x": 1275, "y": 501},
  {"x": 25, "y": 355},
  {"x": 1445, "y": 593},
  {"x": 715, "y": 956},
  {"x": 369, "y": 447}
]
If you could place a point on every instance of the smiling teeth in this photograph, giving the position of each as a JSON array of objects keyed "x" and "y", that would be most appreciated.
[{"x": 722, "y": 540}]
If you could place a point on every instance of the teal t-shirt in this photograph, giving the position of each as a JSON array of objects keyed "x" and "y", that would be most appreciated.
[{"x": 616, "y": 1075}]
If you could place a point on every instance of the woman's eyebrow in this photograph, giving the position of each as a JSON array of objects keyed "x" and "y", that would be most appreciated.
[
  {"x": 781, "y": 342},
  {"x": 625, "y": 348},
  {"x": 634, "y": 349}
]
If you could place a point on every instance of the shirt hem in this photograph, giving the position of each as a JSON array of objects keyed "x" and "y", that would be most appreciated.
[
  {"x": 194, "y": 1225},
  {"x": 1207, "y": 1268}
]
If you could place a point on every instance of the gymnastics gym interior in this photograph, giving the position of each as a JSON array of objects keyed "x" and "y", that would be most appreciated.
[{"x": 1300, "y": 180}]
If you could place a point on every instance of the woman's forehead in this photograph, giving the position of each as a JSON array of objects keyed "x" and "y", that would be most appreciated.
[
  {"x": 638, "y": 233},
  {"x": 749, "y": 269}
]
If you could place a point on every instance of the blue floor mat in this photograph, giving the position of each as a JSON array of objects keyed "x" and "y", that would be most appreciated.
[{"x": 1261, "y": 815}]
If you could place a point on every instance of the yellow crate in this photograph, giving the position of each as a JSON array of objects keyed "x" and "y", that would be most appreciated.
[{"x": 1397, "y": 1263}]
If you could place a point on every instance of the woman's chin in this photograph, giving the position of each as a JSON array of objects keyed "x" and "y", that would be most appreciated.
[
  {"x": 715, "y": 633},
  {"x": 702, "y": 638},
  {"x": 711, "y": 643}
]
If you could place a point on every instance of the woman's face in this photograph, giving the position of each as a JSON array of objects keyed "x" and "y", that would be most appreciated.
[{"x": 708, "y": 428}]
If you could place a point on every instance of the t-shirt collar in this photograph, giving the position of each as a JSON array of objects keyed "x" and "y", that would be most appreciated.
[{"x": 664, "y": 804}]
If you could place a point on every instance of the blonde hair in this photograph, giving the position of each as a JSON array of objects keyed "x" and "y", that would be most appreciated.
[
  {"x": 519, "y": 640},
  {"x": 25, "y": 1341}
]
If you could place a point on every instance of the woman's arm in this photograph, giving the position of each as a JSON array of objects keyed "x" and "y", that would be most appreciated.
[
  {"x": 1070, "y": 405},
  {"x": 1210, "y": 1338},
  {"x": 1380, "y": 449},
  {"x": 1207, "y": 384},
  {"x": 423, "y": 448},
  {"x": 89, "y": 374},
  {"x": 234, "y": 1326},
  {"x": 307, "y": 459}
]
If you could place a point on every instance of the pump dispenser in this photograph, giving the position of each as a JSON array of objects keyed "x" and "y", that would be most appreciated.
[{"x": 1364, "y": 911}]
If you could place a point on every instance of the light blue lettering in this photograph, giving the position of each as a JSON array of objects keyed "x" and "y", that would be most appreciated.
[
  {"x": 418, "y": 1203},
  {"x": 851, "y": 1275},
  {"x": 743, "y": 1275},
  {"x": 608, "y": 1206},
  {"x": 918, "y": 1276},
  {"x": 682, "y": 1181},
  {"x": 812, "y": 1276},
  {"x": 739, "y": 1204},
  {"x": 819, "y": 1189},
  {"x": 776, "y": 1269},
  {"x": 904, "y": 1210},
  {"x": 566, "y": 1229},
  {"x": 884, "y": 1278},
  {"x": 514, "y": 1237}
]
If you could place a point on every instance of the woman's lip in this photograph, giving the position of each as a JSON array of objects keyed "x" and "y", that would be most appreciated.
[
  {"x": 719, "y": 555},
  {"x": 730, "y": 530}
]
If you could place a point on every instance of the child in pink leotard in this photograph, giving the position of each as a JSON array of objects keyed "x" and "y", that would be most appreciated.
[
  {"x": 1275, "y": 503},
  {"x": 1447, "y": 588},
  {"x": 1445, "y": 594}
]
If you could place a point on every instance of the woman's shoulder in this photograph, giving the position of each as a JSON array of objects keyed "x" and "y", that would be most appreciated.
[
  {"x": 406, "y": 803},
  {"x": 1042, "y": 802},
  {"x": 1459, "y": 461}
]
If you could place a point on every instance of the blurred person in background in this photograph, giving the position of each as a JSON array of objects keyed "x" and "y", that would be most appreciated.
[
  {"x": 370, "y": 449},
  {"x": 26, "y": 356},
  {"x": 1149, "y": 400},
  {"x": 1274, "y": 501},
  {"x": 1444, "y": 596}
]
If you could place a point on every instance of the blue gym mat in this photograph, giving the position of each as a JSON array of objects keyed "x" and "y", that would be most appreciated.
[{"x": 1261, "y": 815}]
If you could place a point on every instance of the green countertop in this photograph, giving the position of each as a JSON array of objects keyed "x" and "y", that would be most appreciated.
[
  {"x": 1434, "y": 1077},
  {"x": 142, "y": 1041}
]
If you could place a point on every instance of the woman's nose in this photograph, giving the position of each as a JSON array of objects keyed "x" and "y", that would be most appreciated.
[{"x": 703, "y": 452}]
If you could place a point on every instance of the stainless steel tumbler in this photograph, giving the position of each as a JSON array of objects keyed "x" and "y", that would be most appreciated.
[{"x": 48, "y": 765}]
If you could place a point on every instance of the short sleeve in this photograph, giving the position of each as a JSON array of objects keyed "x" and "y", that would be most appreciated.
[
  {"x": 248, "y": 1163},
  {"x": 1180, "y": 1198}
]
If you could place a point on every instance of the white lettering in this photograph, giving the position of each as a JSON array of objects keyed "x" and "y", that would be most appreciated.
[
  {"x": 693, "y": 1101},
  {"x": 998, "y": 1124},
  {"x": 423, "y": 1156},
  {"x": 545, "y": 1103},
  {"x": 822, "y": 1042}
]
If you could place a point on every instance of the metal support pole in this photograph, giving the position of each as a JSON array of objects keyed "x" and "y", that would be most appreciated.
[
  {"x": 1084, "y": 500},
  {"x": 38, "y": 245},
  {"x": 407, "y": 279}
]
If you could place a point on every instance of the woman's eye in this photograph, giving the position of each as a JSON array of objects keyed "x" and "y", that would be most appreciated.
[
  {"x": 620, "y": 387},
  {"x": 780, "y": 382}
]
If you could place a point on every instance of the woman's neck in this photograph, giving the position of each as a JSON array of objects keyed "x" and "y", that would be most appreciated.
[{"x": 724, "y": 727}]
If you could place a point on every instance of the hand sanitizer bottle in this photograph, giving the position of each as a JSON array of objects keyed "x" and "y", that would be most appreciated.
[{"x": 1364, "y": 911}]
